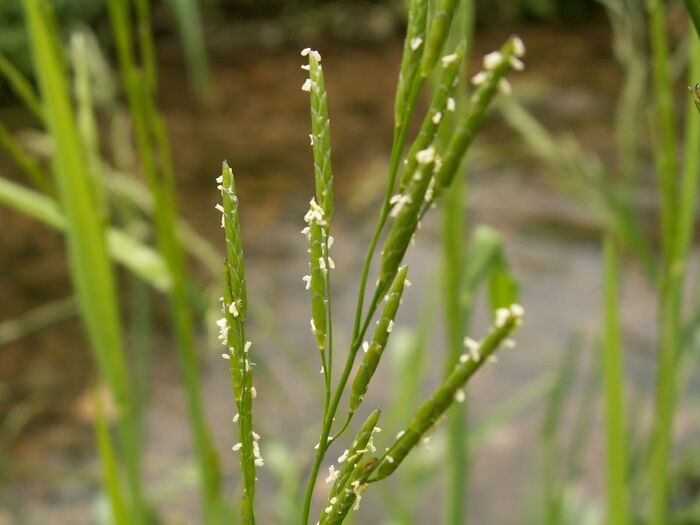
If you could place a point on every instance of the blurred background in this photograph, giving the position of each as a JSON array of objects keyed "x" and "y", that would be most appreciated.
[{"x": 228, "y": 88}]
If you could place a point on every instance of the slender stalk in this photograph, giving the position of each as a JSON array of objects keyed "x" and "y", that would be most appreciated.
[
  {"x": 360, "y": 327},
  {"x": 108, "y": 461},
  {"x": 25, "y": 162},
  {"x": 670, "y": 285},
  {"x": 21, "y": 86},
  {"x": 665, "y": 123},
  {"x": 454, "y": 254},
  {"x": 553, "y": 480},
  {"x": 453, "y": 247},
  {"x": 232, "y": 334},
  {"x": 86, "y": 239},
  {"x": 613, "y": 376},
  {"x": 153, "y": 148}
]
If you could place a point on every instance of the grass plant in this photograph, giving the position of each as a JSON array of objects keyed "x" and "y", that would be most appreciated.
[
  {"x": 429, "y": 170},
  {"x": 100, "y": 210},
  {"x": 677, "y": 184},
  {"x": 87, "y": 246}
]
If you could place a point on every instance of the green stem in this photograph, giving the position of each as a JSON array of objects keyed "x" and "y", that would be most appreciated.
[
  {"x": 360, "y": 327},
  {"x": 453, "y": 246},
  {"x": 670, "y": 287},
  {"x": 613, "y": 376},
  {"x": 154, "y": 151}
]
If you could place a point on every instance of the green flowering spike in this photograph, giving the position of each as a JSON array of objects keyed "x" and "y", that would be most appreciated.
[
  {"x": 413, "y": 47},
  {"x": 430, "y": 413},
  {"x": 234, "y": 245},
  {"x": 405, "y": 211},
  {"x": 376, "y": 347},
  {"x": 439, "y": 28},
  {"x": 439, "y": 105},
  {"x": 339, "y": 505},
  {"x": 320, "y": 133},
  {"x": 232, "y": 334},
  {"x": 321, "y": 208},
  {"x": 488, "y": 82},
  {"x": 352, "y": 457},
  {"x": 318, "y": 268},
  {"x": 695, "y": 93}
]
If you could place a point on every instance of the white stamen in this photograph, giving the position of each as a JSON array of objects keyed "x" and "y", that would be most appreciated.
[
  {"x": 332, "y": 474},
  {"x": 233, "y": 309},
  {"x": 475, "y": 354},
  {"x": 390, "y": 326},
  {"x": 416, "y": 43},
  {"x": 516, "y": 63},
  {"x": 460, "y": 396},
  {"x": 504, "y": 86},
  {"x": 469, "y": 343},
  {"x": 479, "y": 78},
  {"x": 448, "y": 59},
  {"x": 437, "y": 118},
  {"x": 306, "y": 86},
  {"x": 426, "y": 156},
  {"x": 237, "y": 447},
  {"x": 502, "y": 315},
  {"x": 451, "y": 104},
  {"x": 493, "y": 60},
  {"x": 518, "y": 47}
]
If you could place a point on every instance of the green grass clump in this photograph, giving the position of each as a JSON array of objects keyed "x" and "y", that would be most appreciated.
[{"x": 429, "y": 169}]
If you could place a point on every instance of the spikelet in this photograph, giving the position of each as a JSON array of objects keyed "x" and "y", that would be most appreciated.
[
  {"x": 406, "y": 212},
  {"x": 321, "y": 207},
  {"x": 414, "y": 46},
  {"x": 430, "y": 412},
  {"x": 439, "y": 28},
  {"x": 351, "y": 479},
  {"x": 232, "y": 334},
  {"x": 371, "y": 358},
  {"x": 439, "y": 104},
  {"x": 488, "y": 82}
]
